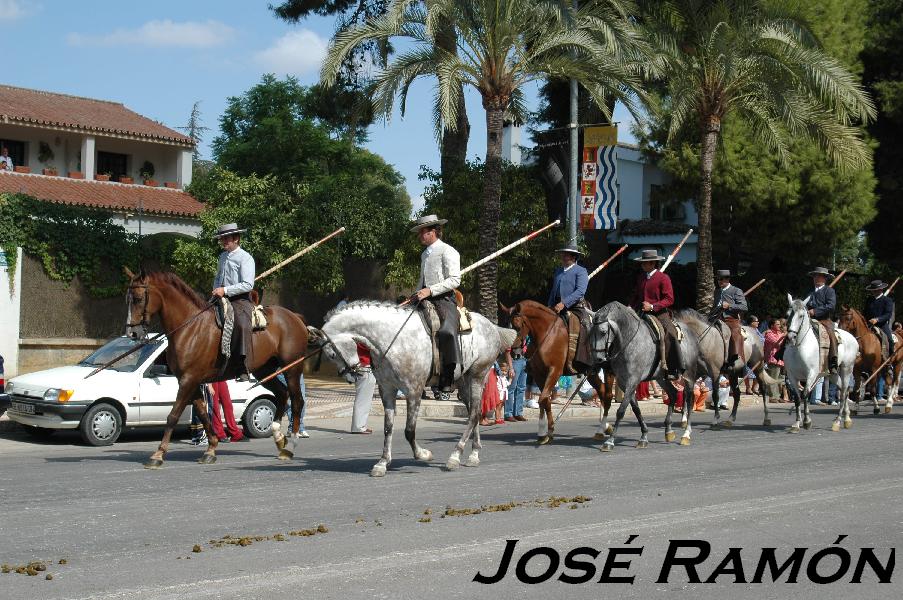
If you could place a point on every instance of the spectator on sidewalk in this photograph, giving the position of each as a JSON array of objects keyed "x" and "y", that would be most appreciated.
[
  {"x": 514, "y": 404},
  {"x": 700, "y": 395},
  {"x": 364, "y": 386},
  {"x": 642, "y": 391},
  {"x": 774, "y": 337},
  {"x": 198, "y": 433},
  {"x": 221, "y": 399},
  {"x": 492, "y": 399}
]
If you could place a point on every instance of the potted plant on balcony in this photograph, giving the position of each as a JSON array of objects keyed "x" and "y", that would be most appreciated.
[
  {"x": 45, "y": 155},
  {"x": 77, "y": 173},
  {"x": 147, "y": 172},
  {"x": 124, "y": 179},
  {"x": 103, "y": 176}
]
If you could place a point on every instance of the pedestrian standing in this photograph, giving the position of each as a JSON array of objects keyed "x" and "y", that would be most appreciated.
[
  {"x": 220, "y": 398},
  {"x": 514, "y": 404},
  {"x": 774, "y": 337},
  {"x": 364, "y": 386}
]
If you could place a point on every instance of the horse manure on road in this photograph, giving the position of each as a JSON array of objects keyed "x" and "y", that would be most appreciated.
[
  {"x": 247, "y": 540},
  {"x": 196, "y": 548},
  {"x": 573, "y": 502}
]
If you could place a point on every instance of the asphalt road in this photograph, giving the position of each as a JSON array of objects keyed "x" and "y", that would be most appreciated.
[{"x": 128, "y": 533}]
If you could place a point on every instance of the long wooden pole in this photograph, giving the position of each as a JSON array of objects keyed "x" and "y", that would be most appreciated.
[
  {"x": 510, "y": 246},
  {"x": 299, "y": 254},
  {"x": 891, "y": 287},
  {"x": 754, "y": 288},
  {"x": 286, "y": 367},
  {"x": 606, "y": 263},
  {"x": 676, "y": 250}
]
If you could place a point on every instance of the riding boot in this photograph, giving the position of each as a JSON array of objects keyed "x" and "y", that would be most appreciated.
[
  {"x": 246, "y": 374},
  {"x": 447, "y": 378},
  {"x": 832, "y": 365}
]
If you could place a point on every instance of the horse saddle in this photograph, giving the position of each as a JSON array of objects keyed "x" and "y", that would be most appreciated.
[
  {"x": 658, "y": 335},
  {"x": 578, "y": 338},
  {"x": 824, "y": 344},
  {"x": 882, "y": 338}
]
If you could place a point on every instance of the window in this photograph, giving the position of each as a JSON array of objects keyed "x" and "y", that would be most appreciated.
[
  {"x": 114, "y": 164},
  {"x": 664, "y": 208},
  {"x": 16, "y": 151}
]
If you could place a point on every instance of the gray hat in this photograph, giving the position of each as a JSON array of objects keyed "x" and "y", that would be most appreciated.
[
  {"x": 722, "y": 273},
  {"x": 228, "y": 229},
  {"x": 648, "y": 255},
  {"x": 427, "y": 221},
  {"x": 876, "y": 285},
  {"x": 572, "y": 248},
  {"x": 820, "y": 271}
]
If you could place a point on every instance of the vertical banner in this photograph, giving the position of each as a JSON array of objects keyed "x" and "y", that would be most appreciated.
[{"x": 599, "y": 178}]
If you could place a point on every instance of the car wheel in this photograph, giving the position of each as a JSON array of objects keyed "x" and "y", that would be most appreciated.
[
  {"x": 101, "y": 425},
  {"x": 38, "y": 432},
  {"x": 259, "y": 416}
]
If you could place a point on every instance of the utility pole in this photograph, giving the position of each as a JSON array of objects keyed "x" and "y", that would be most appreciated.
[{"x": 574, "y": 166}]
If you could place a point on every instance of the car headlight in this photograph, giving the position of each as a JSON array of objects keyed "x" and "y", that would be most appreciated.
[{"x": 57, "y": 395}]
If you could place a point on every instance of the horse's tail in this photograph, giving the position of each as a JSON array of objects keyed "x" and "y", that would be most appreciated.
[
  {"x": 506, "y": 336},
  {"x": 766, "y": 378}
]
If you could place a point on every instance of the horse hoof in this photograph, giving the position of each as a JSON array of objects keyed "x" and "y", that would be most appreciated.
[
  {"x": 642, "y": 444},
  {"x": 794, "y": 429},
  {"x": 285, "y": 454},
  {"x": 424, "y": 456},
  {"x": 807, "y": 425},
  {"x": 472, "y": 461},
  {"x": 378, "y": 471},
  {"x": 453, "y": 463},
  {"x": 154, "y": 463},
  {"x": 670, "y": 436},
  {"x": 609, "y": 429},
  {"x": 684, "y": 441},
  {"x": 766, "y": 423},
  {"x": 207, "y": 459},
  {"x": 847, "y": 423},
  {"x": 683, "y": 424},
  {"x": 544, "y": 440},
  {"x": 728, "y": 424},
  {"x": 280, "y": 443},
  {"x": 835, "y": 426},
  {"x": 607, "y": 447},
  {"x": 888, "y": 409},
  {"x": 600, "y": 436},
  {"x": 876, "y": 411}
]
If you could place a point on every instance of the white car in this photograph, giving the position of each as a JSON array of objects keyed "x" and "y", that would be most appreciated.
[{"x": 137, "y": 391}]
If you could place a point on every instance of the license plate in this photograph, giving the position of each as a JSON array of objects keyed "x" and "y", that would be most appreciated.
[{"x": 28, "y": 409}]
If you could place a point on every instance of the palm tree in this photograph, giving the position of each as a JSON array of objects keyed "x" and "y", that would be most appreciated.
[
  {"x": 756, "y": 60},
  {"x": 502, "y": 45}
]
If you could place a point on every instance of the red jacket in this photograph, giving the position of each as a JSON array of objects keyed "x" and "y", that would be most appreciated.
[
  {"x": 363, "y": 354},
  {"x": 656, "y": 290}
]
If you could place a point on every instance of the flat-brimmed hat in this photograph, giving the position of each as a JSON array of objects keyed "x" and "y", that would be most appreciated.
[
  {"x": 648, "y": 255},
  {"x": 722, "y": 273},
  {"x": 572, "y": 248},
  {"x": 875, "y": 286},
  {"x": 820, "y": 271},
  {"x": 427, "y": 221},
  {"x": 228, "y": 229}
]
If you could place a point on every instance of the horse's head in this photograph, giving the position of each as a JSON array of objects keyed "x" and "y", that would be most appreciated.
[
  {"x": 141, "y": 304},
  {"x": 601, "y": 338},
  {"x": 796, "y": 317},
  {"x": 847, "y": 318},
  {"x": 519, "y": 323},
  {"x": 341, "y": 350}
]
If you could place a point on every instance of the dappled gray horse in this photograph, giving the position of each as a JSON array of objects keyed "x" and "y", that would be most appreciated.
[
  {"x": 802, "y": 361},
  {"x": 407, "y": 366},
  {"x": 622, "y": 342},
  {"x": 713, "y": 339}
]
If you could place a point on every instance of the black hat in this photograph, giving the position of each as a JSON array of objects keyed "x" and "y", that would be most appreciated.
[
  {"x": 228, "y": 229},
  {"x": 648, "y": 255},
  {"x": 572, "y": 248},
  {"x": 876, "y": 285},
  {"x": 820, "y": 271},
  {"x": 427, "y": 221},
  {"x": 722, "y": 273}
]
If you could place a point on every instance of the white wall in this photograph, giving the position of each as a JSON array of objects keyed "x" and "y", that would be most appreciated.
[
  {"x": 151, "y": 224},
  {"x": 632, "y": 186},
  {"x": 10, "y": 304}
]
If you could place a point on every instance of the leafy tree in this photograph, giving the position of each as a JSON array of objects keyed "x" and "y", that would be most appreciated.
[
  {"x": 882, "y": 60},
  {"x": 758, "y": 62},
  {"x": 502, "y": 46}
]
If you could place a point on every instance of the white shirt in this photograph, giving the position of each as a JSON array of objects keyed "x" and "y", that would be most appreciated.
[
  {"x": 7, "y": 162},
  {"x": 235, "y": 272}
]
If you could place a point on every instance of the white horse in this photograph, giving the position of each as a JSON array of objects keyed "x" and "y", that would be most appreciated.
[
  {"x": 802, "y": 360},
  {"x": 385, "y": 327}
]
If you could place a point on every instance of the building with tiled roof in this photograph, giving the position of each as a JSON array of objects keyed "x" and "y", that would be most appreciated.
[{"x": 99, "y": 154}]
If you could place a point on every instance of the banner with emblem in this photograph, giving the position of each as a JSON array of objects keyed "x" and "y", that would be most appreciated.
[{"x": 599, "y": 178}]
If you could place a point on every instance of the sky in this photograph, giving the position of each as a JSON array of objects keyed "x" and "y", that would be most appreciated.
[{"x": 159, "y": 58}]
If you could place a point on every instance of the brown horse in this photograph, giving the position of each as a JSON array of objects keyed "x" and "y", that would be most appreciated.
[
  {"x": 193, "y": 353},
  {"x": 546, "y": 357},
  {"x": 869, "y": 358}
]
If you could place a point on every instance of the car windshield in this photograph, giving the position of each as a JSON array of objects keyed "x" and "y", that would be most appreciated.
[{"x": 116, "y": 347}]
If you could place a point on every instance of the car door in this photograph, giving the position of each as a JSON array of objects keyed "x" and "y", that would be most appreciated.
[{"x": 157, "y": 391}]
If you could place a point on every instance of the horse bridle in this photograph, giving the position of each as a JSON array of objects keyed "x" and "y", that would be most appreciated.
[
  {"x": 144, "y": 321},
  {"x": 796, "y": 334},
  {"x": 356, "y": 370},
  {"x": 639, "y": 322}
]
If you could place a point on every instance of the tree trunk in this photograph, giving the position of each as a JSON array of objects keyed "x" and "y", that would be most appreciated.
[
  {"x": 705, "y": 283},
  {"x": 453, "y": 149},
  {"x": 489, "y": 224}
]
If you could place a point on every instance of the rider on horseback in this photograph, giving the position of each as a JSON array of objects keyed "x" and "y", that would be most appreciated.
[
  {"x": 879, "y": 310},
  {"x": 566, "y": 295},
  {"x": 440, "y": 276},
  {"x": 235, "y": 280},
  {"x": 654, "y": 295},
  {"x": 821, "y": 305},
  {"x": 729, "y": 302}
]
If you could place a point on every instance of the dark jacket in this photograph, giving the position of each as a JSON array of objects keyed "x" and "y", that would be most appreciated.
[
  {"x": 735, "y": 299},
  {"x": 823, "y": 302},
  {"x": 881, "y": 308},
  {"x": 569, "y": 286}
]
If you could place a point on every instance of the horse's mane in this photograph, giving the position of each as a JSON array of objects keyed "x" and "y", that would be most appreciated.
[
  {"x": 538, "y": 305},
  {"x": 173, "y": 280},
  {"x": 366, "y": 304},
  {"x": 608, "y": 308},
  {"x": 691, "y": 314}
]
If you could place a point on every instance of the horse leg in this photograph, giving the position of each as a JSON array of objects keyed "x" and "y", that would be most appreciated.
[
  {"x": 892, "y": 387},
  {"x": 629, "y": 397},
  {"x": 410, "y": 426},
  {"x": 603, "y": 390},
  {"x": 688, "y": 409},
  {"x": 156, "y": 459},
  {"x": 793, "y": 387},
  {"x": 767, "y": 420},
  {"x": 209, "y": 455},
  {"x": 807, "y": 403},
  {"x": 546, "y": 420},
  {"x": 379, "y": 469},
  {"x": 735, "y": 389},
  {"x": 472, "y": 389},
  {"x": 644, "y": 430},
  {"x": 874, "y": 385},
  {"x": 294, "y": 391}
]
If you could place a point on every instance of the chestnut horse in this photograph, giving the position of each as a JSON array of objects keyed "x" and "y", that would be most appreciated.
[
  {"x": 869, "y": 358},
  {"x": 193, "y": 353},
  {"x": 546, "y": 357}
]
